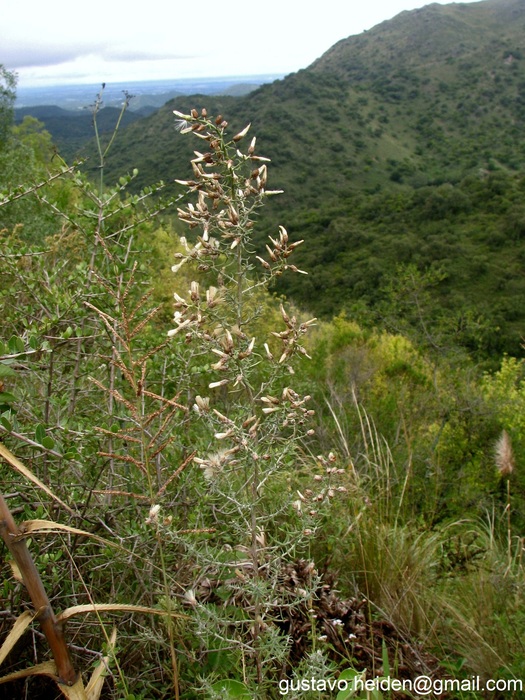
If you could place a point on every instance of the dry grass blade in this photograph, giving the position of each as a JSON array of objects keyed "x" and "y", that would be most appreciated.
[
  {"x": 340, "y": 431},
  {"x": 74, "y": 692},
  {"x": 47, "y": 668},
  {"x": 114, "y": 607},
  {"x": 22, "y": 469},
  {"x": 94, "y": 687},
  {"x": 15, "y": 570},
  {"x": 17, "y": 630},
  {"x": 32, "y": 527}
]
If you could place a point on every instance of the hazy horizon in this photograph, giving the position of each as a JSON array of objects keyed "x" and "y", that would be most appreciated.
[{"x": 81, "y": 94}]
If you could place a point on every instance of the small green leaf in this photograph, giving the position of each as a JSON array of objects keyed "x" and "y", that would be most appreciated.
[
  {"x": 375, "y": 694},
  {"x": 7, "y": 397},
  {"x": 231, "y": 689},
  {"x": 6, "y": 423},
  {"x": 386, "y": 662},
  {"x": 40, "y": 433},
  {"x": 48, "y": 442},
  {"x": 6, "y": 371},
  {"x": 349, "y": 675},
  {"x": 16, "y": 345}
]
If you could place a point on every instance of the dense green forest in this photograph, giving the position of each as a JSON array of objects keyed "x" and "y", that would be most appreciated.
[{"x": 227, "y": 475}]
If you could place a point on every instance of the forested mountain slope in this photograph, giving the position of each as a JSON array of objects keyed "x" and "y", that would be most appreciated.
[{"x": 405, "y": 144}]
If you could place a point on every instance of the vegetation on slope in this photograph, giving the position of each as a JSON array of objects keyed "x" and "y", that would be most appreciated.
[
  {"x": 399, "y": 146},
  {"x": 224, "y": 483}
]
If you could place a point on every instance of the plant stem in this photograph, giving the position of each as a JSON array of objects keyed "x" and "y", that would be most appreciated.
[{"x": 50, "y": 626}]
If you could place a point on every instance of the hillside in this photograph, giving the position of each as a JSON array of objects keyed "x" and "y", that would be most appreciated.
[
  {"x": 383, "y": 121},
  {"x": 362, "y": 509},
  {"x": 398, "y": 103},
  {"x": 69, "y": 128}
]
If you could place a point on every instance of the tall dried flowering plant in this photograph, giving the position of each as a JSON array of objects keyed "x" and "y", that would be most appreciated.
[
  {"x": 251, "y": 417},
  {"x": 505, "y": 463}
]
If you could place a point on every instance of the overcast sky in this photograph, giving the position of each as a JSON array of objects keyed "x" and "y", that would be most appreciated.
[{"x": 60, "y": 41}]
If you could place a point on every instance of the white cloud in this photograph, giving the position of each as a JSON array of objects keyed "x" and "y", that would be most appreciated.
[
  {"x": 35, "y": 54},
  {"x": 104, "y": 40}
]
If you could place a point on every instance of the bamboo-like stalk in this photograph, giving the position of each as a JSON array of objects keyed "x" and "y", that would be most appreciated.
[{"x": 52, "y": 629}]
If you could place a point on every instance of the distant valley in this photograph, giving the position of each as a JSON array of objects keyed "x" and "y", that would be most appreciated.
[{"x": 149, "y": 94}]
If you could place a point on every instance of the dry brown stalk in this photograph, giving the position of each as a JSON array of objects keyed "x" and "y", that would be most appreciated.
[{"x": 52, "y": 629}]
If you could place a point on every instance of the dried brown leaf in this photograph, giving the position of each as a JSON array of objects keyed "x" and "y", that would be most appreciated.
[
  {"x": 94, "y": 686},
  {"x": 17, "y": 630},
  {"x": 29, "y": 527},
  {"x": 114, "y": 607},
  {"x": 28, "y": 474},
  {"x": 48, "y": 668}
]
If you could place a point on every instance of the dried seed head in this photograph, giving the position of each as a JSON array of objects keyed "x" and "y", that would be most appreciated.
[
  {"x": 215, "y": 385},
  {"x": 213, "y": 297},
  {"x": 263, "y": 262},
  {"x": 179, "y": 301},
  {"x": 189, "y": 598},
  {"x": 194, "y": 291},
  {"x": 504, "y": 455},
  {"x": 153, "y": 516},
  {"x": 268, "y": 352},
  {"x": 202, "y": 404},
  {"x": 214, "y": 463},
  {"x": 260, "y": 538},
  {"x": 242, "y": 133}
]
